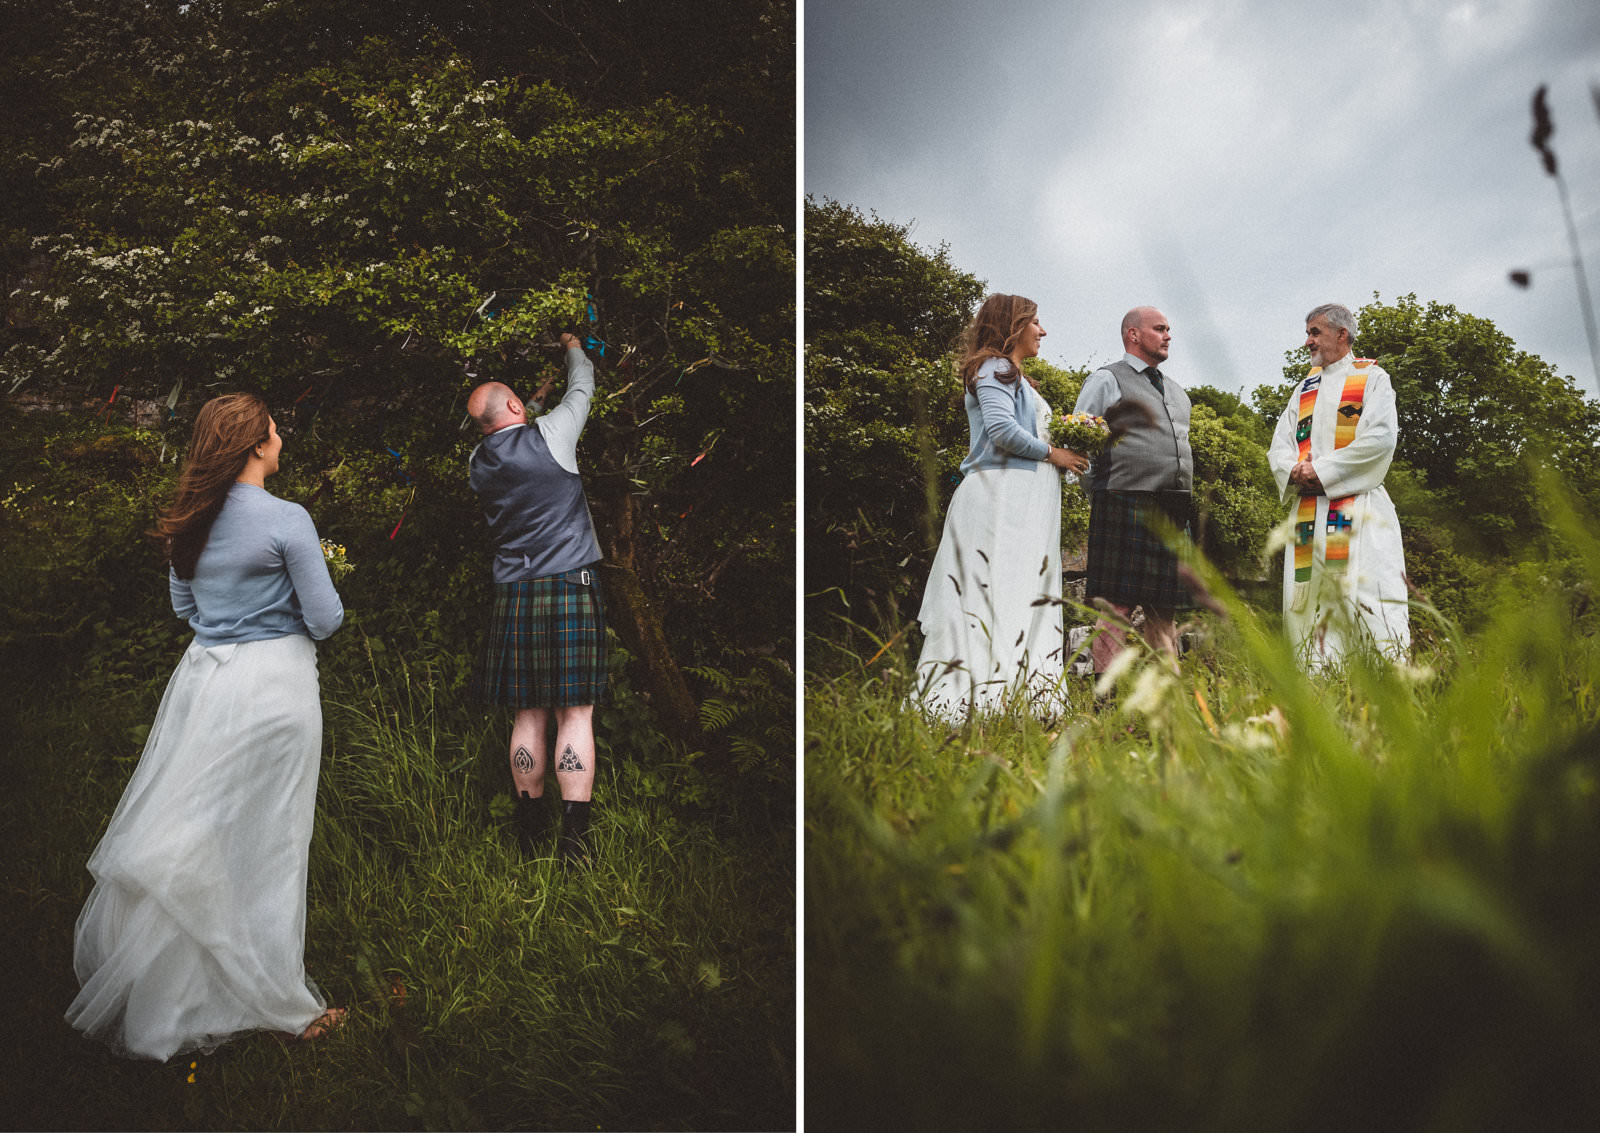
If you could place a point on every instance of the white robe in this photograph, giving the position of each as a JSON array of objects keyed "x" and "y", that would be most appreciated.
[{"x": 1331, "y": 615}]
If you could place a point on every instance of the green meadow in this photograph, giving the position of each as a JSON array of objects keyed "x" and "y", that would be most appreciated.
[
  {"x": 1226, "y": 896},
  {"x": 654, "y": 989}
]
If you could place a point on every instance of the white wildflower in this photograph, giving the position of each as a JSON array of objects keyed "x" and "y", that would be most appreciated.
[
  {"x": 1280, "y": 536},
  {"x": 1248, "y": 738},
  {"x": 1414, "y": 674},
  {"x": 1119, "y": 666},
  {"x": 1149, "y": 690}
]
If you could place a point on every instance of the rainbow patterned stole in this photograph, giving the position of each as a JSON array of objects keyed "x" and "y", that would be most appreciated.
[{"x": 1336, "y": 553}]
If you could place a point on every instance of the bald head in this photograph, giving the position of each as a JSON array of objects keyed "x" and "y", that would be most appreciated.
[
  {"x": 493, "y": 406},
  {"x": 1146, "y": 335}
]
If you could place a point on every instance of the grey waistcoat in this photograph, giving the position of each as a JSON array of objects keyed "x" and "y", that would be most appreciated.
[
  {"x": 1148, "y": 459},
  {"x": 536, "y": 509}
]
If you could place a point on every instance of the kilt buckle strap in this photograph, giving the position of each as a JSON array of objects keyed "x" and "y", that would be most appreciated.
[{"x": 582, "y": 576}]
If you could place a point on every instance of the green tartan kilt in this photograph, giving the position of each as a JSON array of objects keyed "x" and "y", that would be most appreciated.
[
  {"x": 546, "y": 644},
  {"x": 1128, "y": 563}
]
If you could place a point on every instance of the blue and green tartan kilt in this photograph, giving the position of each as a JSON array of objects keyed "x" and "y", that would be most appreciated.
[
  {"x": 1128, "y": 562},
  {"x": 546, "y": 645}
]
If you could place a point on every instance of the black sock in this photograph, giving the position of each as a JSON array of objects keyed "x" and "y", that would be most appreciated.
[
  {"x": 575, "y": 831},
  {"x": 575, "y": 817},
  {"x": 531, "y": 817}
]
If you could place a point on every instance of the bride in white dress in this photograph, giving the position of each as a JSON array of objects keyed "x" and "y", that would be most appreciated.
[
  {"x": 991, "y": 613},
  {"x": 195, "y": 929}
]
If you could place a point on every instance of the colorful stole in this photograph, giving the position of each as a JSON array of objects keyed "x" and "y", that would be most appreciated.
[{"x": 1336, "y": 552}]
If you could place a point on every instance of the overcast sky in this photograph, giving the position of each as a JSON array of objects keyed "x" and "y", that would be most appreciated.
[{"x": 1235, "y": 162}]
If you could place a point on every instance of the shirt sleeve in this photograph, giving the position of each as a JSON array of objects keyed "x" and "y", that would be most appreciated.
[
  {"x": 308, "y": 574},
  {"x": 997, "y": 405},
  {"x": 564, "y": 424},
  {"x": 183, "y": 603},
  {"x": 1099, "y": 392}
]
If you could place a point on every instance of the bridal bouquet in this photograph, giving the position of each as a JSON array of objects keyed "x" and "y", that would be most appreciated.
[
  {"x": 338, "y": 565},
  {"x": 1081, "y": 432}
]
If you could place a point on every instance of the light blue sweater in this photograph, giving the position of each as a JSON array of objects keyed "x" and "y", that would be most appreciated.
[
  {"x": 261, "y": 575},
  {"x": 1001, "y": 422}
]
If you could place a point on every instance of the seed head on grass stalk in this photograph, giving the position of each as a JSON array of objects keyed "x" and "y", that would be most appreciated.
[{"x": 1543, "y": 130}]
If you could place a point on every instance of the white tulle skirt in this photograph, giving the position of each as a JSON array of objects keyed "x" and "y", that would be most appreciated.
[
  {"x": 195, "y": 929},
  {"x": 991, "y": 613}
]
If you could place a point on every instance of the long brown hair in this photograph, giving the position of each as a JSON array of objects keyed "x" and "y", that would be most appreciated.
[
  {"x": 993, "y": 333},
  {"x": 225, "y": 431}
]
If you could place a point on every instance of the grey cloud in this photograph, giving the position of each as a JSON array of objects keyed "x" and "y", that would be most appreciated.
[{"x": 1233, "y": 162}]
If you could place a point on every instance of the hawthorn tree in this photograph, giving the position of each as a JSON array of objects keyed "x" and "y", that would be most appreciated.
[
  {"x": 884, "y": 431},
  {"x": 1473, "y": 409}
]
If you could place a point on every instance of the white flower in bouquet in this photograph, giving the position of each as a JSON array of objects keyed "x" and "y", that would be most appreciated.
[{"x": 1083, "y": 433}]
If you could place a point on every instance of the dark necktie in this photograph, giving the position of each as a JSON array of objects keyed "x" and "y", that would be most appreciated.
[{"x": 1155, "y": 378}]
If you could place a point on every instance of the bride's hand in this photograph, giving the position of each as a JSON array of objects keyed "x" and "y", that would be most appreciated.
[{"x": 1067, "y": 460}]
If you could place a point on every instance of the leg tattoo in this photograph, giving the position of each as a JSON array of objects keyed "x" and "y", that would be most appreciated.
[
  {"x": 569, "y": 760},
  {"x": 522, "y": 760}
]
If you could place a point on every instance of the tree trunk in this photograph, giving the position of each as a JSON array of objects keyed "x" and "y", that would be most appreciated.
[{"x": 631, "y": 613}]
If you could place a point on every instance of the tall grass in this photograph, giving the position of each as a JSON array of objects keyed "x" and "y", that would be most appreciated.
[
  {"x": 1232, "y": 898},
  {"x": 654, "y": 989}
]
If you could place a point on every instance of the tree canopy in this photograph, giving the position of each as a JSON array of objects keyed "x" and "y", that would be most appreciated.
[{"x": 1473, "y": 409}]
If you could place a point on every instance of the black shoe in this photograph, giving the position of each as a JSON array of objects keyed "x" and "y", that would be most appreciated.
[
  {"x": 532, "y": 822},
  {"x": 574, "y": 842}
]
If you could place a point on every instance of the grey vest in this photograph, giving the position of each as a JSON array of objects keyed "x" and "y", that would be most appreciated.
[
  {"x": 1148, "y": 459},
  {"x": 536, "y": 509}
]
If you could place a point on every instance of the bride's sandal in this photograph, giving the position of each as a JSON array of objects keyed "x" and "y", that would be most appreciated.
[{"x": 331, "y": 1018}]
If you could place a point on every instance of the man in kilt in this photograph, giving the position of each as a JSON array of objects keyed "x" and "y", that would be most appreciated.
[
  {"x": 1148, "y": 472},
  {"x": 544, "y": 655}
]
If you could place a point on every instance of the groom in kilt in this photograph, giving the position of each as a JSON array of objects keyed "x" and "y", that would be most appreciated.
[
  {"x": 1149, "y": 472},
  {"x": 544, "y": 655}
]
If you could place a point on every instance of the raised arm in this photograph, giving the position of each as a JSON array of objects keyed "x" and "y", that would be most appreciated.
[{"x": 564, "y": 424}]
